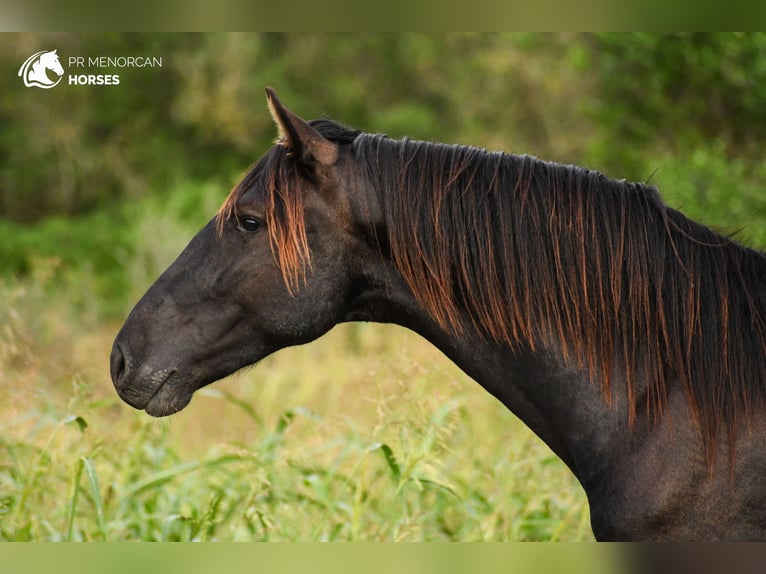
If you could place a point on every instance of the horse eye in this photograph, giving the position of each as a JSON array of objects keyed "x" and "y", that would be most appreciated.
[{"x": 249, "y": 224}]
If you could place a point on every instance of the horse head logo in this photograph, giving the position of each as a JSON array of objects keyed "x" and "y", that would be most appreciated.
[{"x": 34, "y": 71}]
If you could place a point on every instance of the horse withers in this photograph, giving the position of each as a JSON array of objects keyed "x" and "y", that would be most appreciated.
[{"x": 627, "y": 337}]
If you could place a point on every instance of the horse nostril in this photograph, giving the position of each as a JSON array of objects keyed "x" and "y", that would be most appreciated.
[{"x": 117, "y": 364}]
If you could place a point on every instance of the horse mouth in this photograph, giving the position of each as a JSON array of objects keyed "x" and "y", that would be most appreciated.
[
  {"x": 160, "y": 394},
  {"x": 170, "y": 397}
]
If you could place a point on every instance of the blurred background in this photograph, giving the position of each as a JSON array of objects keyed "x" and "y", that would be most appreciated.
[{"x": 368, "y": 434}]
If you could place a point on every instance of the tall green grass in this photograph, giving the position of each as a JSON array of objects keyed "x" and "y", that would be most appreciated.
[{"x": 314, "y": 444}]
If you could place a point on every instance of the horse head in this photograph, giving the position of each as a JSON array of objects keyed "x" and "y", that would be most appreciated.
[{"x": 279, "y": 265}]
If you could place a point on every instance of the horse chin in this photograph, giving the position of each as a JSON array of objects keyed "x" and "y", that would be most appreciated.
[{"x": 167, "y": 401}]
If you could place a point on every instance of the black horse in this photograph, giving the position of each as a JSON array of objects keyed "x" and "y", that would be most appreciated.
[{"x": 626, "y": 336}]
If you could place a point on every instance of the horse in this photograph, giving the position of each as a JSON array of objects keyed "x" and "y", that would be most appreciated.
[
  {"x": 626, "y": 336},
  {"x": 34, "y": 70}
]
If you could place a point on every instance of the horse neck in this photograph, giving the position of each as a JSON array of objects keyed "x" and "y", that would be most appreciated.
[
  {"x": 558, "y": 403},
  {"x": 617, "y": 443},
  {"x": 536, "y": 380},
  {"x": 616, "y": 462}
]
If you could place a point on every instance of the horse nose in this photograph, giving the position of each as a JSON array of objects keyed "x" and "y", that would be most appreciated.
[{"x": 119, "y": 363}]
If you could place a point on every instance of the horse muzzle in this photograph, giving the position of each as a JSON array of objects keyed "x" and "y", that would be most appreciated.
[{"x": 157, "y": 391}]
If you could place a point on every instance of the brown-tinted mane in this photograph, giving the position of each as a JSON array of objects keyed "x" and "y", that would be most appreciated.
[{"x": 539, "y": 255}]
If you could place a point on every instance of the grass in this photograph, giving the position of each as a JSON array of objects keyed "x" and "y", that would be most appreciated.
[{"x": 368, "y": 434}]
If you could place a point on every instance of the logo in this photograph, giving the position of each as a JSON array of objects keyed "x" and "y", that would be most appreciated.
[{"x": 34, "y": 71}]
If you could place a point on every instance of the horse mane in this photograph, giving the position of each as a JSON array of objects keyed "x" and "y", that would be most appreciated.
[{"x": 533, "y": 254}]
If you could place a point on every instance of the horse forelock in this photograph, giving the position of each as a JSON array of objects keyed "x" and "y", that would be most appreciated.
[{"x": 276, "y": 174}]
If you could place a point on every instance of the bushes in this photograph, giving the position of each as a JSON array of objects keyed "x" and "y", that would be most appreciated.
[
  {"x": 677, "y": 92},
  {"x": 102, "y": 261},
  {"x": 720, "y": 191}
]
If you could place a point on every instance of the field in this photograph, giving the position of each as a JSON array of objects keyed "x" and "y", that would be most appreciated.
[{"x": 368, "y": 434}]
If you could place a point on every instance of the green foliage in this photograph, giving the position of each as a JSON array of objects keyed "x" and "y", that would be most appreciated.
[
  {"x": 679, "y": 91},
  {"x": 722, "y": 192},
  {"x": 407, "y": 453},
  {"x": 687, "y": 85},
  {"x": 102, "y": 260}
]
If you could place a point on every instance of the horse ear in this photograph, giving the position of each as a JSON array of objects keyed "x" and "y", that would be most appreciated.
[{"x": 305, "y": 142}]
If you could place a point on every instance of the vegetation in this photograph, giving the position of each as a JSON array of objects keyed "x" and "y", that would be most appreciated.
[{"x": 369, "y": 433}]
